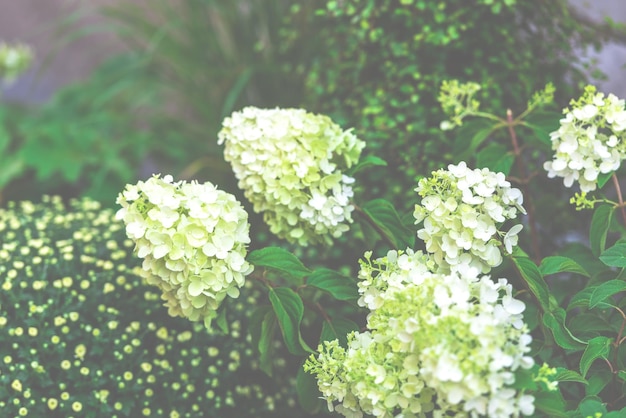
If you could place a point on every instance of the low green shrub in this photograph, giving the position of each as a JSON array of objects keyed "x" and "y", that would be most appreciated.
[{"x": 82, "y": 335}]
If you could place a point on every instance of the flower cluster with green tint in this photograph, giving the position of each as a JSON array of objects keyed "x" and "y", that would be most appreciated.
[
  {"x": 442, "y": 343},
  {"x": 291, "y": 166},
  {"x": 462, "y": 211},
  {"x": 590, "y": 141},
  {"x": 82, "y": 335},
  {"x": 192, "y": 238},
  {"x": 14, "y": 59}
]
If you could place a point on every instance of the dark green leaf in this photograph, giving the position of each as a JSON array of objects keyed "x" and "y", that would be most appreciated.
[
  {"x": 598, "y": 381},
  {"x": 266, "y": 342},
  {"x": 533, "y": 278},
  {"x": 339, "y": 286},
  {"x": 606, "y": 290},
  {"x": 384, "y": 216},
  {"x": 495, "y": 157},
  {"x": 581, "y": 299},
  {"x": 338, "y": 329},
  {"x": 585, "y": 257},
  {"x": 478, "y": 130},
  {"x": 599, "y": 227},
  {"x": 550, "y": 403},
  {"x": 566, "y": 375},
  {"x": 364, "y": 163},
  {"x": 560, "y": 264},
  {"x": 555, "y": 321},
  {"x": 589, "y": 407},
  {"x": 615, "y": 256},
  {"x": 221, "y": 320},
  {"x": 598, "y": 347},
  {"x": 543, "y": 123},
  {"x": 603, "y": 178},
  {"x": 289, "y": 310},
  {"x": 275, "y": 258},
  {"x": 308, "y": 393}
]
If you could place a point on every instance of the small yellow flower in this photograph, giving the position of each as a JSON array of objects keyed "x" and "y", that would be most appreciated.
[
  {"x": 16, "y": 385},
  {"x": 52, "y": 404}
]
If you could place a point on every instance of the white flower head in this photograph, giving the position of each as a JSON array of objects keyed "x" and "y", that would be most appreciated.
[
  {"x": 290, "y": 165},
  {"x": 590, "y": 140},
  {"x": 440, "y": 343},
  {"x": 193, "y": 240},
  {"x": 462, "y": 210}
]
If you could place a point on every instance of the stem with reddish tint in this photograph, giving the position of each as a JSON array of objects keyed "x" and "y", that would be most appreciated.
[
  {"x": 532, "y": 223},
  {"x": 619, "y": 197}
]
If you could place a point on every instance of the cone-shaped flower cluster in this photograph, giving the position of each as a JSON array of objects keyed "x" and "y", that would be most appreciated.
[
  {"x": 590, "y": 140},
  {"x": 192, "y": 238},
  {"x": 447, "y": 343},
  {"x": 291, "y": 164},
  {"x": 462, "y": 210}
]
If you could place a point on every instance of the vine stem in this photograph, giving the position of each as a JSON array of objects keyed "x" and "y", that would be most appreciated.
[
  {"x": 619, "y": 197},
  {"x": 517, "y": 151}
]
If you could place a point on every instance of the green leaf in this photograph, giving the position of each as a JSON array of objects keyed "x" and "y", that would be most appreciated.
[
  {"x": 338, "y": 329},
  {"x": 276, "y": 258},
  {"x": 289, "y": 310},
  {"x": 566, "y": 375},
  {"x": 222, "y": 321},
  {"x": 266, "y": 340},
  {"x": 603, "y": 178},
  {"x": 555, "y": 321},
  {"x": 590, "y": 406},
  {"x": 533, "y": 278},
  {"x": 496, "y": 157},
  {"x": 560, "y": 264},
  {"x": 615, "y": 256},
  {"x": 543, "y": 123},
  {"x": 598, "y": 381},
  {"x": 622, "y": 375},
  {"x": 599, "y": 227},
  {"x": 598, "y": 347},
  {"x": 384, "y": 216},
  {"x": 478, "y": 129},
  {"x": 366, "y": 162},
  {"x": 606, "y": 290},
  {"x": 550, "y": 403},
  {"x": 339, "y": 286},
  {"x": 308, "y": 392}
]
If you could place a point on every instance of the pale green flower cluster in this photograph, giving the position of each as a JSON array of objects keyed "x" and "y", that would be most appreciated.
[
  {"x": 14, "y": 59},
  {"x": 441, "y": 343},
  {"x": 290, "y": 165},
  {"x": 462, "y": 210},
  {"x": 192, "y": 238},
  {"x": 590, "y": 140}
]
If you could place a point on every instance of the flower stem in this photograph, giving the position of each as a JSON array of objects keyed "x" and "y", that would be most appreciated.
[
  {"x": 532, "y": 223},
  {"x": 619, "y": 197}
]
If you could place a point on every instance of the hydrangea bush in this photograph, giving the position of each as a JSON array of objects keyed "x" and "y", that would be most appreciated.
[{"x": 463, "y": 324}]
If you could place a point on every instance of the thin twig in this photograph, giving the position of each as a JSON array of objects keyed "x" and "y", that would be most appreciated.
[
  {"x": 619, "y": 197},
  {"x": 524, "y": 185}
]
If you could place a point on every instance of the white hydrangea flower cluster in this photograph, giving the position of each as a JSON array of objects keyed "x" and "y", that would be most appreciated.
[
  {"x": 192, "y": 238},
  {"x": 462, "y": 209},
  {"x": 590, "y": 141},
  {"x": 289, "y": 164},
  {"x": 14, "y": 59},
  {"x": 447, "y": 343}
]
